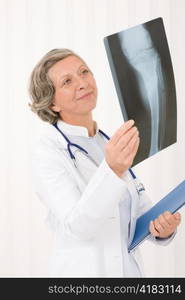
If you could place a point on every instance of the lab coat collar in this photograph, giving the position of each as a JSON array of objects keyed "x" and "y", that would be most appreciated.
[{"x": 74, "y": 129}]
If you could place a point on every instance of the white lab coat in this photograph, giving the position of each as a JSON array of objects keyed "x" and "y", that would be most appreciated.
[{"x": 85, "y": 216}]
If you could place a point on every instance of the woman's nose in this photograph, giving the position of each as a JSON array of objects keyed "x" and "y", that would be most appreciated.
[{"x": 81, "y": 83}]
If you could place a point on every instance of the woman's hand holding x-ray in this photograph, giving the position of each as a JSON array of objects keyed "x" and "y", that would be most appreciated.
[
  {"x": 122, "y": 148},
  {"x": 165, "y": 224}
]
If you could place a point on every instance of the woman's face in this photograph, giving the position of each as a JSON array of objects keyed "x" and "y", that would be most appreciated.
[{"x": 75, "y": 87}]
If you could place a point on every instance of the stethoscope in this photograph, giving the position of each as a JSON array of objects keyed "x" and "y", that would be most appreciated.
[{"x": 139, "y": 185}]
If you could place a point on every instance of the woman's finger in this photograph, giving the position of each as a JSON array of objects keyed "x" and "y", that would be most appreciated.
[
  {"x": 177, "y": 216},
  {"x": 168, "y": 217},
  {"x": 126, "y": 138},
  {"x": 164, "y": 223},
  {"x": 130, "y": 150},
  {"x": 121, "y": 131},
  {"x": 159, "y": 227},
  {"x": 172, "y": 219},
  {"x": 128, "y": 157},
  {"x": 152, "y": 229}
]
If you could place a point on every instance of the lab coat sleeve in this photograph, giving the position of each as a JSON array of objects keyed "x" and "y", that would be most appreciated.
[
  {"x": 80, "y": 215},
  {"x": 145, "y": 204}
]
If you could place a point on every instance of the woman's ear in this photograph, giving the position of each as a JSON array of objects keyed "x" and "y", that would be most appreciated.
[{"x": 54, "y": 107}]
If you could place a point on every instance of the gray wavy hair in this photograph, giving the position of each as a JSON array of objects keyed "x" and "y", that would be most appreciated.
[{"x": 41, "y": 88}]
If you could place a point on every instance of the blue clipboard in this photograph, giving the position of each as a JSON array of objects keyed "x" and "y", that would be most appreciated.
[{"x": 171, "y": 202}]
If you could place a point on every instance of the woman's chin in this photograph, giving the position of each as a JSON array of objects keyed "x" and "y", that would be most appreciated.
[{"x": 88, "y": 106}]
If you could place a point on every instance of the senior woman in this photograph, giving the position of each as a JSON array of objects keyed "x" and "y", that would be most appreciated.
[{"x": 84, "y": 179}]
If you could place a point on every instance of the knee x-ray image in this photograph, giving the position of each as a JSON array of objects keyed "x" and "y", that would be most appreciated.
[{"x": 142, "y": 71}]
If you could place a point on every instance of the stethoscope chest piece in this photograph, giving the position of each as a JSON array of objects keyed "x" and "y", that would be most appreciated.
[{"x": 139, "y": 186}]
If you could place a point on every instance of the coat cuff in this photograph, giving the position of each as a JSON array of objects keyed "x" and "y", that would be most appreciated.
[{"x": 163, "y": 241}]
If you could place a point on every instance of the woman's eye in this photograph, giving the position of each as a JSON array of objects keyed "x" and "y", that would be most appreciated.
[
  {"x": 85, "y": 71},
  {"x": 67, "y": 81}
]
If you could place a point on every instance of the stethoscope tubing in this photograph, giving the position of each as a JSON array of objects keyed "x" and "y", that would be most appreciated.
[{"x": 139, "y": 185}]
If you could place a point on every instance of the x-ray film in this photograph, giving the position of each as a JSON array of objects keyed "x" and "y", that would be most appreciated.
[{"x": 142, "y": 71}]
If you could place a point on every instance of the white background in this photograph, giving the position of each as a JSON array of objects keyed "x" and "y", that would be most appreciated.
[{"x": 28, "y": 29}]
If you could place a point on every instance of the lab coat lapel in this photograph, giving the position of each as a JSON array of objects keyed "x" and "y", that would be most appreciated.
[
  {"x": 84, "y": 169},
  {"x": 134, "y": 208},
  {"x": 85, "y": 165},
  {"x": 70, "y": 166}
]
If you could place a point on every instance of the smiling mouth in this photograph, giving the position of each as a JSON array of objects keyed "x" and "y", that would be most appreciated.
[{"x": 84, "y": 96}]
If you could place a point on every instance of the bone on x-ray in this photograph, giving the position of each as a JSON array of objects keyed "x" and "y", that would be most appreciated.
[{"x": 142, "y": 71}]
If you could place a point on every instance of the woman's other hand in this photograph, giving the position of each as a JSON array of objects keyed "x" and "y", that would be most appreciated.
[{"x": 165, "y": 224}]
